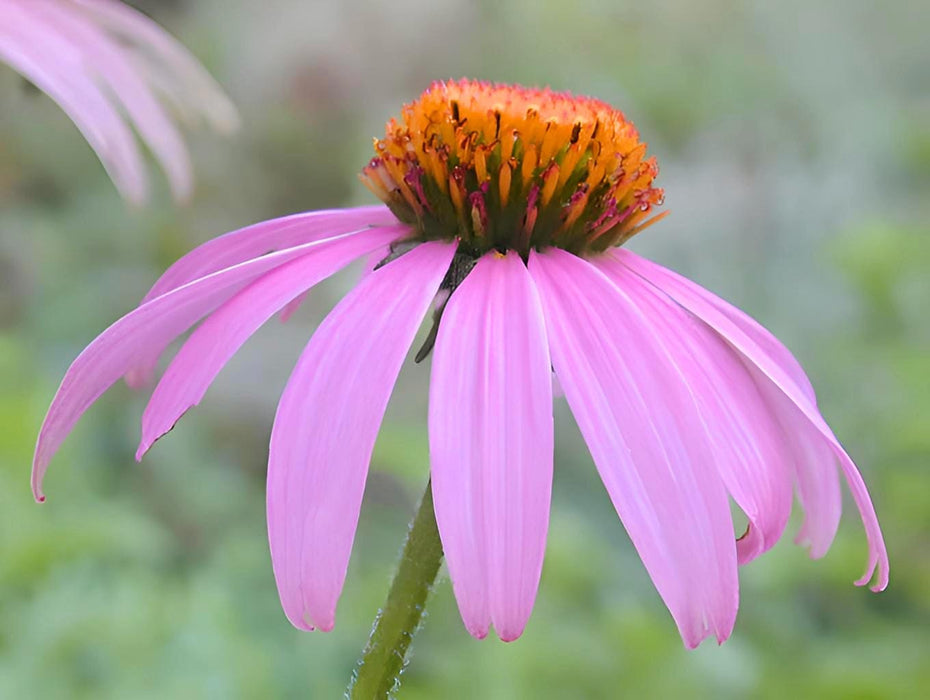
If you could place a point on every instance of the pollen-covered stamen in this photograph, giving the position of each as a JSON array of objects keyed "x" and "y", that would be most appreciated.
[
  {"x": 529, "y": 218},
  {"x": 514, "y": 168},
  {"x": 479, "y": 210}
]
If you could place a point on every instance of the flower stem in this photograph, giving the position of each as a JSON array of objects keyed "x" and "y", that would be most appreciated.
[{"x": 377, "y": 673}]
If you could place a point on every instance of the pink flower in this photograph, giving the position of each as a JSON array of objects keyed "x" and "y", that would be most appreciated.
[
  {"x": 104, "y": 62},
  {"x": 682, "y": 399}
]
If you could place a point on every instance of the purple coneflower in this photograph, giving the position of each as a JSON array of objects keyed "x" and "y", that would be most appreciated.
[
  {"x": 505, "y": 210},
  {"x": 104, "y": 62}
]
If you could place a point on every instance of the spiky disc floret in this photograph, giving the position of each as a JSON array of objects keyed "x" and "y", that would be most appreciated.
[{"x": 508, "y": 167}]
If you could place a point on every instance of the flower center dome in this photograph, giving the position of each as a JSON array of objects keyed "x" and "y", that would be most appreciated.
[{"x": 512, "y": 168}]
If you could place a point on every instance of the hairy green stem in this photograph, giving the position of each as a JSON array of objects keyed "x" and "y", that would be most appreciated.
[{"x": 377, "y": 674}]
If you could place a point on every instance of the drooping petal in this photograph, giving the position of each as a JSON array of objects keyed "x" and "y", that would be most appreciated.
[
  {"x": 218, "y": 338},
  {"x": 746, "y": 323},
  {"x": 645, "y": 434},
  {"x": 108, "y": 62},
  {"x": 813, "y": 480},
  {"x": 169, "y": 66},
  {"x": 326, "y": 425},
  {"x": 90, "y": 54},
  {"x": 750, "y": 447},
  {"x": 815, "y": 468},
  {"x": 251, "y": 242},
  {"x": 258, "y": 239},
  {"x": 814, "y": 462},
  {"x": 156, "y": 323},
  {"x": 290, "y": 308},
  {"x": 51, "y": 62},
  {"x": 371, "y": 261},
  {"x": 490, "y": 426}
]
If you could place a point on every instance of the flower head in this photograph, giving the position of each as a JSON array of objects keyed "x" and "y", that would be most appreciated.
[
  {"x": 103, "y": 62},
  {"x": 683, "y": 400},
  {"x": 511, "y": 168}
]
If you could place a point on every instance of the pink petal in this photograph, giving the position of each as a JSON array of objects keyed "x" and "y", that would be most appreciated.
[
  {"x": 814, "y": 462},
  {"x": 108, "y": 62},
  {"x": 156, "y": 323},
  {"x": 760, "y": 335},
  {"x": 251, "y": 242},
  {"x": 87, "y": 54},
  {"x": 275, "y": 234},
  {"x": 371, "y": 261},
  {"x": 326, "y": 426},
  {"x": 290, "y": 308},
  {"x": 646, "y": 436},
  {"x": 772, "y": 369},
  {"x": 814, "y": 467},
  {"x": 166, "y": 62},
  {"x": 490, "y": 426},
  {"x": 54, "y": 64},
  {"x": 750, "y": 447},
  {"x": 219, "y": 337}
]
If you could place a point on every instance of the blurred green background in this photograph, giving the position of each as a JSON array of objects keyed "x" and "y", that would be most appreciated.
[{"x": 794, "y": 139}]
